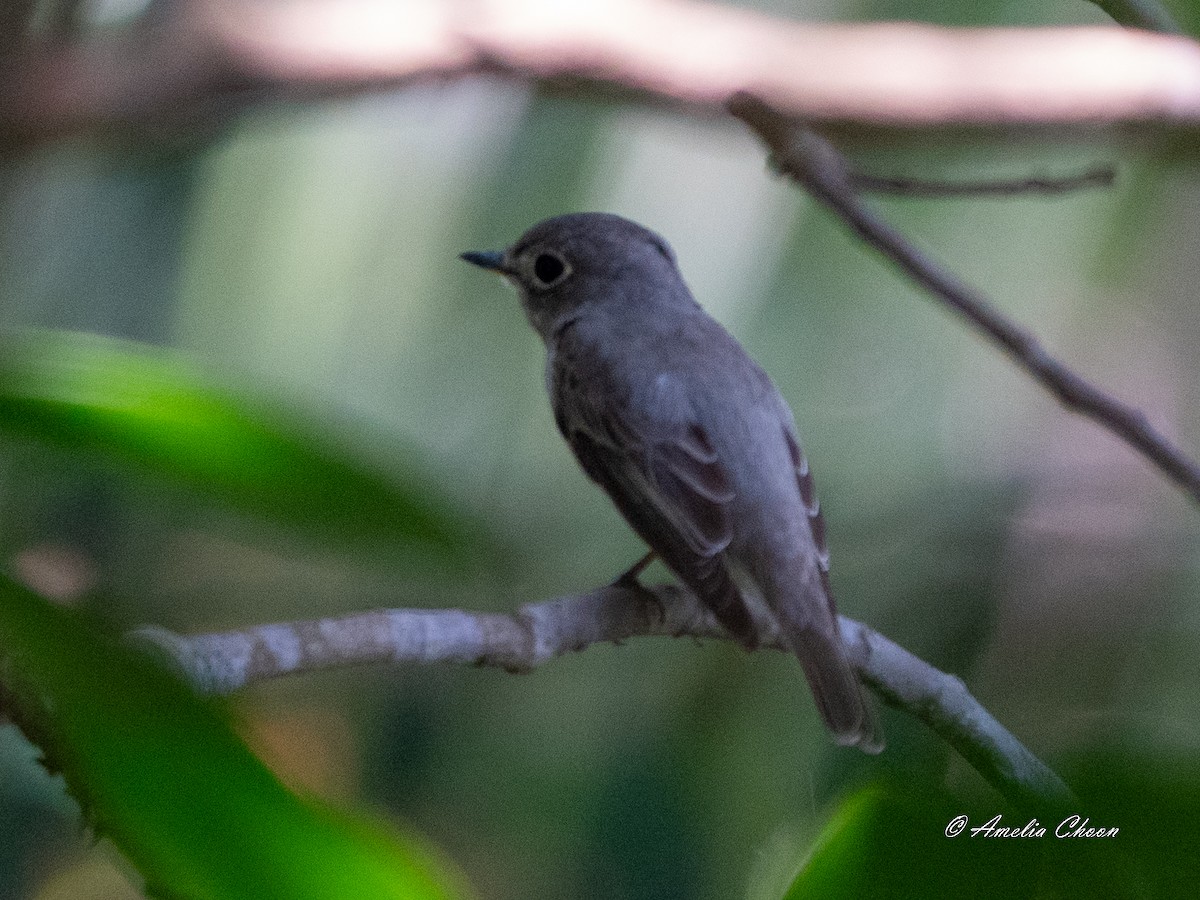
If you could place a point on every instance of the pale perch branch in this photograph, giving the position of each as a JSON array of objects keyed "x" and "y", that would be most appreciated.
[{"x": 539, "y": 632}]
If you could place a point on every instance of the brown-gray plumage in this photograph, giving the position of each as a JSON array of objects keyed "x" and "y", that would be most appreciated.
[{"x": 688, "y": 436}]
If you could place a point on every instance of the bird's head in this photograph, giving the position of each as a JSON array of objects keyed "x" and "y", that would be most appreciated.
[{"x": 568, "y": 262}]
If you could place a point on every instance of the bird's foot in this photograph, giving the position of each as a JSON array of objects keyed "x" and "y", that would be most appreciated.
[{"x": 629, "y": 578}]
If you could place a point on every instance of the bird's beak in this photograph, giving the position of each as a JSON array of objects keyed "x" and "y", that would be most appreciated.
[{"x": 492, "y": 260}]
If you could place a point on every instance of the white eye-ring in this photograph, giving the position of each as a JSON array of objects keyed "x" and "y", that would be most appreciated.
[{"x": 548, "y": 268}]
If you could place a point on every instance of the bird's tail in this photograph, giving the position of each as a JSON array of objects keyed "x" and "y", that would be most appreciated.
[
  {"x": 843, "y": 704},
  {"x": 800, "y": 598},
  {"x": 797, "y": 593}
]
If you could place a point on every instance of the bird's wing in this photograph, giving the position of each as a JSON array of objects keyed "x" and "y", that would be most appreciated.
[
  {"x": 812, "y": 507},
  {"x": 667, "y": 481},
  {"x": 836, "y": 688}
]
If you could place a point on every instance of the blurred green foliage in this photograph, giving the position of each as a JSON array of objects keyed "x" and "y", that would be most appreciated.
[
  {"x": 142, "y": 406},
  {"x": 888, "y": 843},
  {"x": 310, "y": 254},
  {"x": 160, "y": 772}
]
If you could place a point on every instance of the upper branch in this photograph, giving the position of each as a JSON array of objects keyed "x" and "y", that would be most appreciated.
[
  {"x": 218, "y": 55},
  {"x": 817, "y": 165},
  {"x": 1100, "y": 176}
]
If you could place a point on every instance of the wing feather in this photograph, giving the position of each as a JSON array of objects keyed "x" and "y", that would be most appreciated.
[
  {"x": 672, "y": 489},
  {"x": 812, "y": 506}
]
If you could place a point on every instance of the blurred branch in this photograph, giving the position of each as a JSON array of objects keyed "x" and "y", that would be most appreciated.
[
  {"x": 539, "y": 632},
  {"x": 216, "y": 56},
  {"x": 15, "y": 16},
  {"x": 815, "y": 164},
  {"x": 63, "y": 18},
  {"x": 1147, "y": 14},
  {"x": 1101, "y": 176}
]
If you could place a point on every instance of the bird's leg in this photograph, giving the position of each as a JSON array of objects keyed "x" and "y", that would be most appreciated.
[{"x": 629, "y": 578}]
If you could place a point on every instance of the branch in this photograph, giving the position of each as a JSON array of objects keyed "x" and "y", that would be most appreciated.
[
  {"x": 1147, "y": 14},
  {"x": 539, "y": 632},
  {"x": 815, "y": 164},
  {"x": 220, "y": 55},
  {"x": 14, "y": 22},
  {"x": 1101, "y": 176}
]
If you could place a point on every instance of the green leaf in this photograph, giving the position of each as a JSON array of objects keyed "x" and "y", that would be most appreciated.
[
  {"x": 160, "y": 772},
  {"x": 882, "y": 843},
  {"x": 895, "y": 841},
  {"x": 119, "y": 400}
]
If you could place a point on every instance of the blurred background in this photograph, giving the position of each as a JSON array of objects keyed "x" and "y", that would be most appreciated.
[{"x": 307, "y": 254}]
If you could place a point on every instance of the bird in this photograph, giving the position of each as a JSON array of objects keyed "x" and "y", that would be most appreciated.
[{"x": 689, "y": 437}]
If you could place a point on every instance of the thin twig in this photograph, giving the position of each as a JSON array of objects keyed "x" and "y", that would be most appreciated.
[
  {"x": 1100, "y": 176},
  {"x": 539, "y": 632},
  {"x": 1147, "y": 14},
  {"x": 820, "y": 168}
]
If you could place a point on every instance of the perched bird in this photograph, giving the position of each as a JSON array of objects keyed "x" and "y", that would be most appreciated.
[{"x": 688, "y": 436}]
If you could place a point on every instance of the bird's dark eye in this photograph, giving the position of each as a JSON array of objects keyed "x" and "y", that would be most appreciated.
[{"x": 548, "y": 268}]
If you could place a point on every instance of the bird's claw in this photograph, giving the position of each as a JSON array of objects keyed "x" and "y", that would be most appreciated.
[{"x": 629, "y": 578}]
